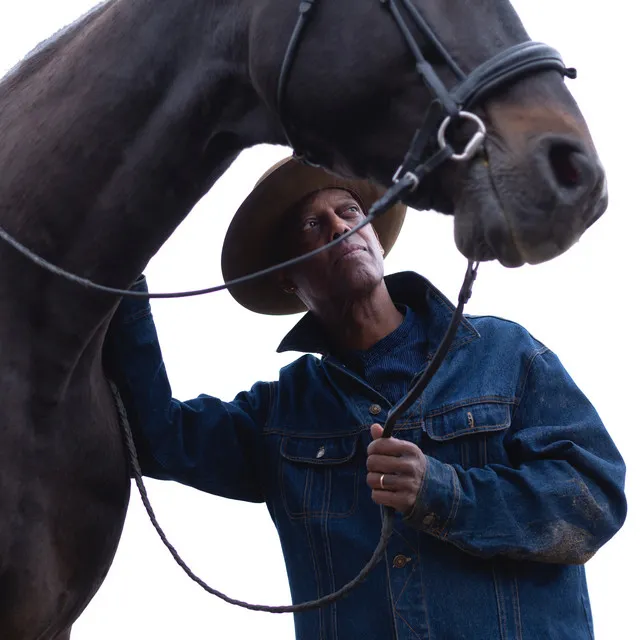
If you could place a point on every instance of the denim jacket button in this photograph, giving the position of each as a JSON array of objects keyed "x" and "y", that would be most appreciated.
[
  {"x": 375, "y": 409},
  {"x": 429, "y": 520},
  {"x": 400, "y": 561},
  {"x": 320, "y": 453}
]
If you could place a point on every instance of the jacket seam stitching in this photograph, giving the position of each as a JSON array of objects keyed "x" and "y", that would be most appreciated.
[{"x": 525, "y": 379}]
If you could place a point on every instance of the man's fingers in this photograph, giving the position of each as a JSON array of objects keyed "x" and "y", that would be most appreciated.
[
  {"x": 390, "y": 447},
  {"x": 382, "y": 497},
  {"x": 389, "y": 481},
  {"x": 388, "y": 464}
]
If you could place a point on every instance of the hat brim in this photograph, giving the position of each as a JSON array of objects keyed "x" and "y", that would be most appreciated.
[{"x": 248, "y": 245}]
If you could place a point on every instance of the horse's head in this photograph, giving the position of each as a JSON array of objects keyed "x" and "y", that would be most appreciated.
[{"x": 354, "y": 101}]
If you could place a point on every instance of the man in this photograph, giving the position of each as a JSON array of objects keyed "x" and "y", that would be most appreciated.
[{"x": 504, "y": 479}]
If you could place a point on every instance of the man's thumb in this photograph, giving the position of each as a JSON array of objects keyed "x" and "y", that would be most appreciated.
[{"x": 376, "y": 431}]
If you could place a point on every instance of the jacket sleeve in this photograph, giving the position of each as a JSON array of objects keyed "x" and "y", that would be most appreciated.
[
  {"x": 560, "y": 500},
  {"x": 204, "y": 443}
]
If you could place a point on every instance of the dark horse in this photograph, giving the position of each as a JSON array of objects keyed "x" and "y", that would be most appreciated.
[{"x": 111, "y": 131}]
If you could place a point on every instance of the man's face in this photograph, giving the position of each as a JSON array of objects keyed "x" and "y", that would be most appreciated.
[{"x": 349, "y": 270}]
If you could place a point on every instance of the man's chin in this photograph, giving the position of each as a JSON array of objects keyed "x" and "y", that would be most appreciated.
[{"x": 356, "y": 283}]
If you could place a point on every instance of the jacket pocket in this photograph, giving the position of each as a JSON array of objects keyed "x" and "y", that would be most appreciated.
[
  {"x": 319, "y": 475},
  {"x": 470, "y": 434}
]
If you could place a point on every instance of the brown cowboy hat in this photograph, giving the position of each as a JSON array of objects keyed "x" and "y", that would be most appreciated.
[{"x": 248, "y": 245}]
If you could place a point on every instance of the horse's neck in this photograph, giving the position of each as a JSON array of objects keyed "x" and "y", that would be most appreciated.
[{"x": 110, "y": 134}]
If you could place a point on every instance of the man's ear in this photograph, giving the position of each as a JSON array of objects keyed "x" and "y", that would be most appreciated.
[{"x": 285, "y": 283}]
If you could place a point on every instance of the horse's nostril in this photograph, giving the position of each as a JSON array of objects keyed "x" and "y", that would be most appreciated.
[
  {"x": 566, "y": 164},
  {"x": 568, "y": 171}
]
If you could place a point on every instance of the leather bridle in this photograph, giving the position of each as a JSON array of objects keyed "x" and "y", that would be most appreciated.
[{"x": 430, "y": 148}]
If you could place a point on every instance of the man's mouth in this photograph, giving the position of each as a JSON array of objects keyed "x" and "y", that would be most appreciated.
[{"x": 349, "y": 250}]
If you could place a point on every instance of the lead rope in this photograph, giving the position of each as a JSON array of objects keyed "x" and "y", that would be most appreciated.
[{"x": 388, "y": 512}]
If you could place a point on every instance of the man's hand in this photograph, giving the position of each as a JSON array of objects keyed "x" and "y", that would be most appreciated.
[{"x": 403, "y": 466}]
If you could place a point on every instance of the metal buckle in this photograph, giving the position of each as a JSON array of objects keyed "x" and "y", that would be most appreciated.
[
  {"x": 473, "y": 145},
  {"x": 415, "y": 181}
]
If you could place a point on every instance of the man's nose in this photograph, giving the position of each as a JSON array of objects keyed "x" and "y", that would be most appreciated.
[
  {"x": 337, "y": 234},
  {"x": 339, "y": 227}
]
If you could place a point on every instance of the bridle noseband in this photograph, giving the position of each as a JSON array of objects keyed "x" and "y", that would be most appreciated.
[{"x": 430, "y": 148}]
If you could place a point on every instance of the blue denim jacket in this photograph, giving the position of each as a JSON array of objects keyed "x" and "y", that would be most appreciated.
[{"x": 523, "y": 483}]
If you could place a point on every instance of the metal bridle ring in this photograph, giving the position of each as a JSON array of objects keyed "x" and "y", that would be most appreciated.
[
  {"x": 473, "y": 145},
  {"x": 409, "y": 175}
]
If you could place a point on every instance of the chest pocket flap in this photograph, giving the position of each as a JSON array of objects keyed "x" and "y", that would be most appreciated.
[
  {"x": 318, "y": 450},
  {"x": 468, "y": 419}
]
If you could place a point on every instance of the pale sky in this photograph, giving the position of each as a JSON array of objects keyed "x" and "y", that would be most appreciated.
[{"x": 579, "y": 305}]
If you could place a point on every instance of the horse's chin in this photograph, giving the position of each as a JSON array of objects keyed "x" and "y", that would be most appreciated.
[
  {"x": 483, "y": 234},
  {"x": 482, "y": 229}
]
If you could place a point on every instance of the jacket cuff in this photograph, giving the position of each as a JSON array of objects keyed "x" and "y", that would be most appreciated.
[
  {"x": 437, "y": 502},
  {"x": 131, "y": 309}
]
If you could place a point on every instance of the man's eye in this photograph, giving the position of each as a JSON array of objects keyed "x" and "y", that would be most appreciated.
[{"x": 309, "y": 224}]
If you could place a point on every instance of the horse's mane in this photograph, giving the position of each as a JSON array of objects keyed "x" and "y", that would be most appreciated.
[{"x": 45, "y": 48}]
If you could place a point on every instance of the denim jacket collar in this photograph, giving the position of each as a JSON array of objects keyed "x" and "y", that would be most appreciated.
[{"x": 408, "y": 288}]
